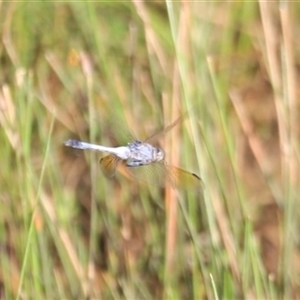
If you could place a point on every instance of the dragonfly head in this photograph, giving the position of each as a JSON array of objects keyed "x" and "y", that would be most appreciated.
[{"x": 159, "y": 154}]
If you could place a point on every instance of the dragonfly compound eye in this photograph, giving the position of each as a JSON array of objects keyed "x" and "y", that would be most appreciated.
[{"x": 160, "y": 154}]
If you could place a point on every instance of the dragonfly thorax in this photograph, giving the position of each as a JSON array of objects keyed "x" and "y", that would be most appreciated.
[{"x": 143, "y": 154}]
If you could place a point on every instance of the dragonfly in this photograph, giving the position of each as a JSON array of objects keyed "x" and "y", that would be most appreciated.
[{"x": 143, "y": 160}]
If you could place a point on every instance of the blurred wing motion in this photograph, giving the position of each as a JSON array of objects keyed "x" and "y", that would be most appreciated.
[
  {"x": 157, "y": 173},
  {"x": 183, "y": 179},
  {"x": 109, "y": 165},
  {"x": 160, "y": 173},
  {"x": 153, "y": 138}
]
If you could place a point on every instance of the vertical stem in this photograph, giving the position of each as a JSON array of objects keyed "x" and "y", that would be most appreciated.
[{"x": 87, "y": 69}]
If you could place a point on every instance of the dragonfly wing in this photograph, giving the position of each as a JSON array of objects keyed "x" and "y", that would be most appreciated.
[
  {"x": 153, "y": 138},
  {"x": 182, "y": 178},
  {"x": 160, "y": 173},
  {"x": 153, "y": 174},
  {"x": 109, "y": 165},
  {"x": 116, "y": 127}
]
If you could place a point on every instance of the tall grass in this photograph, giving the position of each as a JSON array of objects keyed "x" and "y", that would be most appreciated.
[{"x": 67, "y": 231}]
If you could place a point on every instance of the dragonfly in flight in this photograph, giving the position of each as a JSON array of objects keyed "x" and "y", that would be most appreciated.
[{"x": 142, "y": 160}]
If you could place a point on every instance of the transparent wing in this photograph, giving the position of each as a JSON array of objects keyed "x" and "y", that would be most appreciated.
[
  {"x": 160, "y": 173},
  {"x": 112, "y": 125},
  {"x": 120, "y": 130},
  {"x": 109, "y": 165},
  {"x": 182, "y": 178},
  {"x": 153, "y": 138}
]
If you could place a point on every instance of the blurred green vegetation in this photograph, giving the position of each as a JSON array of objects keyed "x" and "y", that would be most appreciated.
[{"x": 67, "y": 232}]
